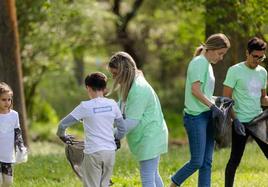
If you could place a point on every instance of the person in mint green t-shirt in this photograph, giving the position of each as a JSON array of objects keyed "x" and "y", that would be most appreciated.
[
  {"x": 245, "y": 82},
  {"x": 147, "y": 133},
  {"x": 199, "y": 110}
]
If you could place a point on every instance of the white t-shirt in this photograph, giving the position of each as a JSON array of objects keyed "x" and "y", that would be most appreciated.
[
  {"x": 98, "y": 117},
  {"x": 8, "y": 122}
]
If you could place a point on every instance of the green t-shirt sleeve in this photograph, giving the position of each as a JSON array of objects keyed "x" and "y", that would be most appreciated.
[
  {"x": 197, "y": 71},
  {"x": 230, "y": 79},
  {"x": 136, "y": 103}
]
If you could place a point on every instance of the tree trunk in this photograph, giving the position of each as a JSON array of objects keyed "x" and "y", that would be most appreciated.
[
  {"x": 10, "y": 65},
  {"x": 222, "y": 17},
  {"x": 79, "y": 65},
  {"x": 122, "y": 35}
]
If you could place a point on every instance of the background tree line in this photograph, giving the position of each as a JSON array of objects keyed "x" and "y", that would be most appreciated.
[{"x": 60, "y": 41}]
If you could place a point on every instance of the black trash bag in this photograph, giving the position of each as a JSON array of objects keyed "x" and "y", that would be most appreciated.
[
  {"x": 259, "y": 126},
  {"x": 220, "y": 126},
  {"x": 75, "y": 155}
]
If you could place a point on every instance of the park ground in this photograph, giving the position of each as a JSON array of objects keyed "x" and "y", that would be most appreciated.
[{"x": 47, "y": 166}]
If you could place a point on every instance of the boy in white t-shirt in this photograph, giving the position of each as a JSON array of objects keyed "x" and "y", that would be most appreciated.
[
  {"x": 99, "y": 116},
  {"x": 10, "y": 135}
]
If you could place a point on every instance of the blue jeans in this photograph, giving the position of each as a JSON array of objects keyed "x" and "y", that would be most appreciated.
[
  {"x": 149, "y": 173},
  {"x": 200, "y": 135}
]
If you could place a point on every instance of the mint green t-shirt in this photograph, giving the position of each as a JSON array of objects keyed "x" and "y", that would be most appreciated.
[
  {"x": 247, "y": 85},
  {"x": 199, "y": 69},
  {"x": 149, "y": 138}
]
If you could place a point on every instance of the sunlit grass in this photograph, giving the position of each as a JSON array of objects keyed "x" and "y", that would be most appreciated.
[{"x": 47, "y": 166}]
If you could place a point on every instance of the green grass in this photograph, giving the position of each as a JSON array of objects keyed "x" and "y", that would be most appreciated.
[{"x": 47, "y": 166}]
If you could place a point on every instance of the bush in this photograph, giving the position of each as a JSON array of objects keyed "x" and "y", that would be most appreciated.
[
  {"x": 175, "y": 125},
  {"x": 44, "y": 121}
]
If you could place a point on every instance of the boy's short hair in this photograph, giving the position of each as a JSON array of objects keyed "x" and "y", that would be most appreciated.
[
  {"x": 256, "y": 44},
  {"x": 97, "y": 81}
]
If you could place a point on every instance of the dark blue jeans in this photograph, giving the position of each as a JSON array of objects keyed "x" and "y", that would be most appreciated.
[{"x": 200, "y": 135}]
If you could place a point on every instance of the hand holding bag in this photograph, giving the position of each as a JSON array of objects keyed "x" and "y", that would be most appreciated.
[{"x": 21, "y": 155}]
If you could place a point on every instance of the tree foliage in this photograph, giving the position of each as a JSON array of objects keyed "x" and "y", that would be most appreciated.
[{"x": 64, "y": 39}]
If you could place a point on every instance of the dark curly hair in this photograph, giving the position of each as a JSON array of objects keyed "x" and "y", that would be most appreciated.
[
  {"x": 256, "y": 44},
  {"x": 97, "y": 81}
]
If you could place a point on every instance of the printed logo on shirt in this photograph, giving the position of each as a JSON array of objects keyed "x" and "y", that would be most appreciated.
[
  {"x": 102, "y": 109},
  {"x": 254, "y": 87}
]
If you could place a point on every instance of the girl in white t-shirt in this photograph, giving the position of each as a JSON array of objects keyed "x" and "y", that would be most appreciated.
[{"x": 10, "y": 134}]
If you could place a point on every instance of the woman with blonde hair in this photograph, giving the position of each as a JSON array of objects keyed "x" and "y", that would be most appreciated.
[
  {"x": 147, "y": 133},
  {"x": 199, "y": 109}
]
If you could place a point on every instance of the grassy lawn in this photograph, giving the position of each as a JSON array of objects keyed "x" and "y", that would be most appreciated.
[{"x": 47, "y": 166}]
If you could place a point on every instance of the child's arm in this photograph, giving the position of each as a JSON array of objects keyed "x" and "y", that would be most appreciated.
[
  {"x": 131, "y": 124},
  {"x": 66, "y": 122},
  {"x": 18, "y": 138},
  {"x": 124, "y": 126},
  {"x": 120, "y": 128}
]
